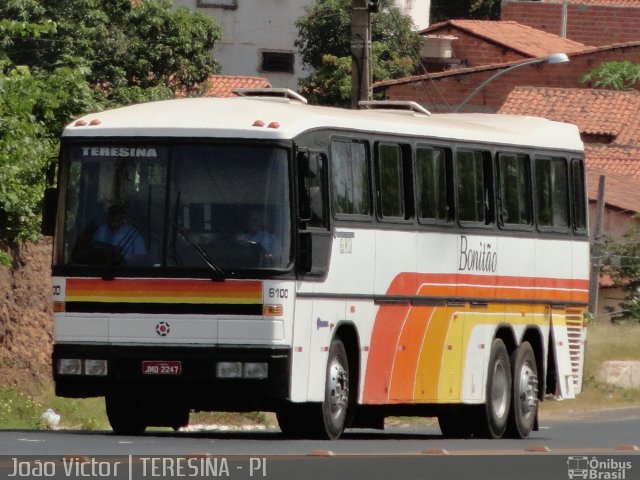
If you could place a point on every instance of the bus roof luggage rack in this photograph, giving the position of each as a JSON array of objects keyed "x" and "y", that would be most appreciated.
[
  {"x": 401, "y": 105},
  {"x": 271, "y": 93}
]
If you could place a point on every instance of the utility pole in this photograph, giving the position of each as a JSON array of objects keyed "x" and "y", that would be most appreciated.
[
  {"x": 361, "y": 72},
  {"x": 596, "y": 250}
]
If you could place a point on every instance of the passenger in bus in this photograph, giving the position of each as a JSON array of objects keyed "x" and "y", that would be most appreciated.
[
  {"x": 121, "y": 234},
  {"x": 257, "y": 233}
]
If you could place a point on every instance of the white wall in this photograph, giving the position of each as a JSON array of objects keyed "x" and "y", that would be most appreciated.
[{"x": 257, "y": 25}]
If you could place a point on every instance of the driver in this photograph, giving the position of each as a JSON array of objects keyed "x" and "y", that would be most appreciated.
[
  {"x": 119, "y": 233},
  {"x": 257, "y": 233}
]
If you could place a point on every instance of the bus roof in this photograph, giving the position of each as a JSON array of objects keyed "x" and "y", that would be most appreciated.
[{"x": 235, "y": 117}]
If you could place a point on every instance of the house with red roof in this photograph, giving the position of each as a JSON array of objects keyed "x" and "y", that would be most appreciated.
[
  {"x": 592, "y": 22},
  {"x": 443, "y": 91},
  {"x": 486, "y": 42}
]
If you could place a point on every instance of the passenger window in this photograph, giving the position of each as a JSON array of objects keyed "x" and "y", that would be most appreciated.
[
  {"x": 474, "y": 182},
  {"x": 552, "y": 193},
  {"x": 350, "y": 179},
  {"x": 514, "y": 183},
  {"x": 432, "y": 183},
  {"x": 390, "y": 183}
]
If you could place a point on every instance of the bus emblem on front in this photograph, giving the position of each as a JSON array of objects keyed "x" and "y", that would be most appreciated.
[{"x": 163, "y": 329}]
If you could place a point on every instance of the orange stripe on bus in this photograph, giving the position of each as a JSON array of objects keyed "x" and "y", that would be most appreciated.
[{"x": 403, "y": 376}]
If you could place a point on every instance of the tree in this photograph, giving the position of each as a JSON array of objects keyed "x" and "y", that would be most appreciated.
[
  {"x": 121, "y": 46},
  {"x": 622, "y": 264},
  {"x": 324, "y": 40},
  {"x": 615, "y": 76},
  {"x": 61, "y": 59},
  {"x": 442, "y": 10}
]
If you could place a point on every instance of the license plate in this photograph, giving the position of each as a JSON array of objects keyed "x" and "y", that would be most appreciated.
[{"x": 157, "y": 367}]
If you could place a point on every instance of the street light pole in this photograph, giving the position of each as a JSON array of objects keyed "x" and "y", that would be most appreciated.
[
  {"x": 360, "y": 51},
  {"x": 552, "y": 59}
]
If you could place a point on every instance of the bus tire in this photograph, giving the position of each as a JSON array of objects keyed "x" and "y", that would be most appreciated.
[
  {"x": 493, "y": 419},
  {"x": 293, "y": 419},
  {"x": 336, "y": 404},
  {"x": 125, "y": 415},
  {"x": 524, "y": 403}
]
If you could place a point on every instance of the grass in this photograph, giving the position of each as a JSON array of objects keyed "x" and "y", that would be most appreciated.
[{"x": 22, "y": 410}]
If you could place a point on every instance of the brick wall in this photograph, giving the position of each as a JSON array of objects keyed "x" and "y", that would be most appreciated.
[
  {"x": 589, "y": 24},
  {"x": 451, "y": 88},
  {"x": 476, "y": 51}
]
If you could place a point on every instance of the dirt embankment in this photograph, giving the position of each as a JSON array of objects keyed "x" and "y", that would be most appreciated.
[{"x": 26, "y": 328}]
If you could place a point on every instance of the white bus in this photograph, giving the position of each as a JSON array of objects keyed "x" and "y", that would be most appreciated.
[{"x": 333, "y": 266}]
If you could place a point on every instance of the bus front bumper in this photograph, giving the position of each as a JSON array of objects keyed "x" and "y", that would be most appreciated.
[{"x": 208, "y": 378}]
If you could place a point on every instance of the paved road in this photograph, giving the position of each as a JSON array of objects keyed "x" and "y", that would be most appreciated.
[{"x": 372, "y": 454}]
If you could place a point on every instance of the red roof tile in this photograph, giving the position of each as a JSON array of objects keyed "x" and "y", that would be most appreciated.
[
  {"x": 223, "y": 85},
  {"x": 619, "y": 160},
  {"x": 620, "y": 190},
  {"x": 608, "y": 113},
  {"x": 521, "y": 38}
]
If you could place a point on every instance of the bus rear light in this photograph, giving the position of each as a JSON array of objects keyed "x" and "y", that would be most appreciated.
[
  {"x": 58, "y": 307},
  {"x": 258, "y": 123},
  {"x": 70, "y": 366},
  {"x": 229, "y": 370},
  {"x": 80, "y": 123},
  {"x": 96, "y": 368},
  {"x": 272, "y": 310},
  {"x": 94, "y": 122},
  {"x": 273, "y": 125}
]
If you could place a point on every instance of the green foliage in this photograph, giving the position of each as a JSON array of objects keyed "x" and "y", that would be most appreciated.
[
  {"x": 623, "y": 265},
  {"x": 33, "y": 108},
  {"x": 615, "y": 76},
  {"x": 324, "y": 40},
  {"x": 442, "y": 10},
  {"x": 64, "y": 58}
]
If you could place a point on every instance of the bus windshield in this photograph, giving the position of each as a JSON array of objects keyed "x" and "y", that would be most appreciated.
[{"x": 218, "y": 207}]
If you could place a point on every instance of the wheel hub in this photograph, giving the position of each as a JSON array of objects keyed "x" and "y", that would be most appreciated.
[
  {"x": 528, "y": 390},
  {"x": 338, "y": 387}
]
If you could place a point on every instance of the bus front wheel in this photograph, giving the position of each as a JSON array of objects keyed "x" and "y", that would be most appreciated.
[
  {"x": 337, "y": 396},
  {"x": 125, "y": 415}
]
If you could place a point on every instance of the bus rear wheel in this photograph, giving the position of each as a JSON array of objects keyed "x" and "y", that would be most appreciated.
[
  {"x": 492, "y": 420},
  {"x": 524, "y": 407}
]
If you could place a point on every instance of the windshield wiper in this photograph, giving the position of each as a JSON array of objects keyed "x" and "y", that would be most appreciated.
[{"x": 219, "y": 273}]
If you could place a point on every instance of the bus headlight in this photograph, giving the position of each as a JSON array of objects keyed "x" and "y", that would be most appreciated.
[
  {"x": 256, "y": 370},
  {"x": 95, "y": 367},
  {"x": 70, "y": 366},
  {"x": 229, "y": 370}
]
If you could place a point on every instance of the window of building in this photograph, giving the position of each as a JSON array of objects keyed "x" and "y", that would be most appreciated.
[
  {"x": 431, "y": 182},
  {"x": 514, "y": 183},
  {"x": 552, "y": 192},
  {"x": 277, "y": 62},
  {"x": 231, "y": 4},
  {"x": 350, "y": 179}
]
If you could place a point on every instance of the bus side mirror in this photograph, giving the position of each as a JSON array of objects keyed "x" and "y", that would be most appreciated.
[
  {"x": 304, "y": 199},
  {"x": 49, "y": 211}
]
